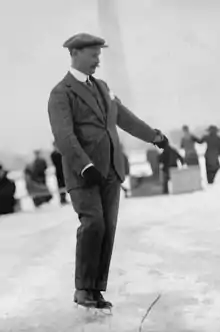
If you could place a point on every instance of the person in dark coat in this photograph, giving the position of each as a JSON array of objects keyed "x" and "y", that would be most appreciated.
[
  {"x": 152, "y": 158},
  {"x": 35, "y": 177},
  {"x": 188, "y": 145},
  {"x": 169, "y": 158},
  {"x": 56, "y": 158},
  {"x": 127, "y": 175},
  {"x": 212, "y": 139},
  {"x": 127, "y": 172},
  {"x": 39, "y": 168},
  {"x": 83, "y": 114},
  {"x": 7, "y": 193}
]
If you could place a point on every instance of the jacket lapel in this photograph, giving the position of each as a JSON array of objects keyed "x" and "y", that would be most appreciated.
[{"x": 83, "y": 93}]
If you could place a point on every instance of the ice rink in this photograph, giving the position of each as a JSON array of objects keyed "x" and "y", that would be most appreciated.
[{"x": 164, "y": 245}]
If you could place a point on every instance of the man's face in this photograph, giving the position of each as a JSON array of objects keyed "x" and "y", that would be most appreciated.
[
  {"x": 87, "y": 59},
  {"x": 185, "y": 129}
]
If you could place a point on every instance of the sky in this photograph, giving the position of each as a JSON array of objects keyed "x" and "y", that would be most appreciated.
[{"x": 163, "y": 61}]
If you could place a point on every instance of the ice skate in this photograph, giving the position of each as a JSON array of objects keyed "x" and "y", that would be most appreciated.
[
  {"x": 103, "y": 305},
  {"x": 85, "y": 299}
]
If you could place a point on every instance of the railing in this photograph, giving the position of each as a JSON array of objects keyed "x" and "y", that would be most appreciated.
[{"x": 139, "y": 167}]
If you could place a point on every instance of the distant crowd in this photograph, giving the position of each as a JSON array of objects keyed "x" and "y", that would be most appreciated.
[
  {"x": 35, "y": 178},
  {"x": 36, "y": 183},
  {"x": 35, "y": 172},
  {"x": 170, "y": 156}
]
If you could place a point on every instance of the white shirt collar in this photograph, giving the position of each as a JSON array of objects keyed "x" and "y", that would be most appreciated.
[{"x": 78, "y": 74}]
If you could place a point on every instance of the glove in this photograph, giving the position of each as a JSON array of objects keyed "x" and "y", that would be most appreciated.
[
  {"x": 163, "y": 142},
  {"x": 92, "y": 176}
]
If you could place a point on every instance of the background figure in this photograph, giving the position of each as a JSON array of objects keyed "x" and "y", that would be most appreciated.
[
  {"x": 127, "y": 172},
  {"x": 188, "y": 145},
  {"x": 7, "y": 193},
  {"x": 39, "y": 168},
  {"x": 56, "y": 158},
  {"x": 152, "y": 158},
  {"x": 35, "y": 177},
  {"x": 169, "y": 158},
  {"x": 212, "y": 152}
]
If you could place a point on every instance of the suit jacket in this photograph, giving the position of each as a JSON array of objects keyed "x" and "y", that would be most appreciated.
[{"x": 85, "y": 134}]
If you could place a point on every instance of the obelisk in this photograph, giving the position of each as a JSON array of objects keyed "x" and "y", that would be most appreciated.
[{"x": 114, "y": 59}]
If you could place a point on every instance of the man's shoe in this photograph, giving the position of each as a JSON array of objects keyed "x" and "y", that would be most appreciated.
[
  {"x": 101, "y": 302},
  {"x": 84, "y": 298}
]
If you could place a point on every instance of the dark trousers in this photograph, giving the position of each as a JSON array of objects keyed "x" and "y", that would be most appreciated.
[
  {"x": 97, "y": 209},
  {"x": 62, "y": 197},
  {"x": 61, "y": 186},
  {"x": 211, "y": 174},
  {"x": 211, "y": 170},
  {"x": 166, "y": 179}
]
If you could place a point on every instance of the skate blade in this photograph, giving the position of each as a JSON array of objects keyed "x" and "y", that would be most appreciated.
[
  {"x": 94, "y": 310},
  {"x": 105, "y": 311},
  {"x": 85, "y": 307}
]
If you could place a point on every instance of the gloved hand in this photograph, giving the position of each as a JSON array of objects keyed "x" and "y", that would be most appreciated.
[
  {"x": 92, "y": 176},
  {"x": 161, "y": 141}
]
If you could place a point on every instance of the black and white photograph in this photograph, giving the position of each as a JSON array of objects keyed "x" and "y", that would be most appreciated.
[{"x": 109, "y": 166}]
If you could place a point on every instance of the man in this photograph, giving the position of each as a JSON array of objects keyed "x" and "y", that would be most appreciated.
[
  {"x": 212, "y": 140},
  {"x": 83, "y": 115},
  {"x": 169, "y": 158},
  {"x": 57, "y": 162},
  {"x": 7, "y": 193}
]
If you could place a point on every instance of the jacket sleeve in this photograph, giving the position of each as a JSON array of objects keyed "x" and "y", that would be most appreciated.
[
  {"x": 197, "y": 140},
  {"x": 130, "y": 123},
  {"x": 61, "y": 121}
]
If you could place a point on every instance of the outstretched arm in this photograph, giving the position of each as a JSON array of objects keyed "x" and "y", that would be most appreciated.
[
  {"x": 130, "y": 123},
  {"x": 136, "y": 127},
  {"x": 198, "y": 140}
]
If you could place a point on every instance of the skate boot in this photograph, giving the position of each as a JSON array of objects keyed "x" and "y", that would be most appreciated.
[
  {"x": 101, "y": 302},
  {"x": 85, "y": 298}
]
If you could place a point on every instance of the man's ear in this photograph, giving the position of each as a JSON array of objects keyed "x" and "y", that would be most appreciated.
[{"x": 74, "y": 52}]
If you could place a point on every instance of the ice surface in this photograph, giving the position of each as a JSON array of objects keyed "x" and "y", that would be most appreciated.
[{"x": 164, "y": 245}]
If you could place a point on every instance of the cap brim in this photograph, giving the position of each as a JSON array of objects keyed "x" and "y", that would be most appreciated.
[{"x": 79, "y": 47}]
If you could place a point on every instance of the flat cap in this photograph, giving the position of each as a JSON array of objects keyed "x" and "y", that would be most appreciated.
[
  {"x": 213, "y": 128},
  {"x": 82, "y": 40}
]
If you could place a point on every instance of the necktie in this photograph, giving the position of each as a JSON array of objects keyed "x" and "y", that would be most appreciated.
[
  {"x": 94, "y": 91},
  {"x": 88, "y": 82}
]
